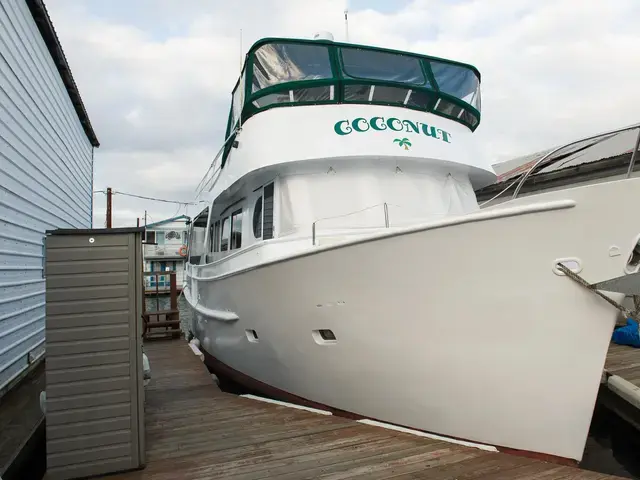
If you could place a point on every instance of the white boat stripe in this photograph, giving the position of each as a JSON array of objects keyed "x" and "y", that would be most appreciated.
[
  {"x": 488, "y": 448},
  {"x": 286, "y": 404}
]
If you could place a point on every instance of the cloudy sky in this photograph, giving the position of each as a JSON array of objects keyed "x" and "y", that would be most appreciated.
[{"x": 156, "y": 75}]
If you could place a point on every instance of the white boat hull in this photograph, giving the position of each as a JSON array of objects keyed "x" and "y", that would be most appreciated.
[{"x": 461, "y": 329}]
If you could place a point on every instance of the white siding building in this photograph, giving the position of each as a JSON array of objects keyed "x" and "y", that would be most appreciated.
[
  {"x": 46, "y": 173},
  {"x": 165, "y": 251}
]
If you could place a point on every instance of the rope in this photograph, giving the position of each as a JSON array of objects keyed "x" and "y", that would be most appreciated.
[{"x": 577, "y": 278}]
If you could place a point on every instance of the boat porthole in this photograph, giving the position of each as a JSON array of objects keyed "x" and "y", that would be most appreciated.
[
  {"x": 324, "y": 337},
  {"x": 252, "y": 335}
]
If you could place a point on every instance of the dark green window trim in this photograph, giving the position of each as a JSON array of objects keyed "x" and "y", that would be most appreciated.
[
  {"x": 251, "y": 112},
  {"x": 432, "y": 78},
  {"x": 339, "y": 90},
  {"x": 228, "y": 130},
  {"x": 339, "y": 81},
  {"x": 337, "y": 73}
]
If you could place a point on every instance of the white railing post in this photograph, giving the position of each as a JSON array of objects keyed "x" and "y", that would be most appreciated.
[{"x": 633, "y": 155}]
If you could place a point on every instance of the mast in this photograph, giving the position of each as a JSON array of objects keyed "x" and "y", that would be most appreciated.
[{"x": 346, "y": 24}]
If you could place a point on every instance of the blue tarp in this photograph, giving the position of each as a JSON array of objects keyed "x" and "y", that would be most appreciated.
[{"x": 627, "y": 335}]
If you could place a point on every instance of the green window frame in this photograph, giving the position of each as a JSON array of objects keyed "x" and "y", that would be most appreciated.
[{"x": 426, "y": 97}]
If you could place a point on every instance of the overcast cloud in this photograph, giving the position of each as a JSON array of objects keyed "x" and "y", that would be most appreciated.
[{"x": 156, "y": 75}]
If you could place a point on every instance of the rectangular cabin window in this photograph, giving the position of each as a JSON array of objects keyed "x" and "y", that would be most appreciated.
[
  {"x": 420, "y": 100},
  {"x": 224, "y": 240},
  {"x": 238, "y": 101},
  {"x": 276, "y": 63},
  {"x": 270, "y": 99},
  {"x": 391, "y": 95},
  {"x": 375, "y": 65},
  {"x": 267, "y": 226},
  {"x": 357, "y": 93},
  {"x": 448, "y": 108},
  {"x": 456, "y": 80},
  {"x": 257, "y": 218},
  {"x": 151, "y": 237},
  {"x": 312, "y": 94},
  {"x": 216, "y": 236},
  {"x": 197, "y": 247},
  {"x": 212, "y": 238},
  {"x": 236, "y": 229}
]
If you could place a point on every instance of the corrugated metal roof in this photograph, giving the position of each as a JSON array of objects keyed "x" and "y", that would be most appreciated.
[
  {"x": 46, "y": 170},
  {"x": 590, "y": 151},
  {"x": 511, "y": 168},
  {"x": 609, "y": 147}
]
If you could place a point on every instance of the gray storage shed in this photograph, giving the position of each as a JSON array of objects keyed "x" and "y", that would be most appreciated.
[{"x": 94, "y": 371}]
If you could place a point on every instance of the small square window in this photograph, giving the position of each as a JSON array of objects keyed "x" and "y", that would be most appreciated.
[{"x": 252, "y": 335}]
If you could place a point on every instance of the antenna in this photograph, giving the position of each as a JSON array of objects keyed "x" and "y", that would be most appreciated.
[{"x": 346, "y": 24}]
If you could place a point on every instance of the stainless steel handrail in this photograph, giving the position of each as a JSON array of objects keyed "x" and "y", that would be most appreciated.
[
  {"x": 386, "y": 215},
  {"x": 633, "y": 155},
  {"x": 555, "y": 150},
  {"x": 607, "y": 135},
  {"x": 203, "y": 183},
  {"x": 386, "y": 219}
]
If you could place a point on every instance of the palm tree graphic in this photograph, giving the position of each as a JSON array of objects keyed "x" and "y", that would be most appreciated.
[{"x": 403, "y": 143}]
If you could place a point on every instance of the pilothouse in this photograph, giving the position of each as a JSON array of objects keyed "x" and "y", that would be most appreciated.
[
  {"x": 339, "y": 256},
  {"x": 292, "y": 104}
]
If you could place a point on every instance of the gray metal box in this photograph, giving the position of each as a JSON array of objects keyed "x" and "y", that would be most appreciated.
[{"x": 94, "y": 372}]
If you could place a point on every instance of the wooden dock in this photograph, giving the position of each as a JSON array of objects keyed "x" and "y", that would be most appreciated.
[
  {"x": 625, "y": 362},
  {"x": 620, "y": 389},
  {"x": 195, "y": 431}
]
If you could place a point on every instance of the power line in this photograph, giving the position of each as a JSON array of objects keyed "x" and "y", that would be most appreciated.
[
  {"x": 152, "y": 198},
  {"x": 177, "y": 211},
  {"x": 164, "y": 200}
]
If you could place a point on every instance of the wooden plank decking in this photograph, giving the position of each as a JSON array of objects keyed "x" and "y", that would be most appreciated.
[
  {"x": 625, "y": 362},
  {"x": 195, "y": 431}
]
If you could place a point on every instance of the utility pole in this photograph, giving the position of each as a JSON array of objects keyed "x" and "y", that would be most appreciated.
[{"x": 109, "y": 194}]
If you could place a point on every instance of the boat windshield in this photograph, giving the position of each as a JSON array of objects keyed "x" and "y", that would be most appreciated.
[{"x": 283, "y": 72}]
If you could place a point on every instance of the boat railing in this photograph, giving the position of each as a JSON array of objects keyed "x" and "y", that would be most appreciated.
[
  {"x": 383, "y": 206},
  {"x": 386, "y": 207},
  {"x": 547, "y": 160},
  {"x": 212, "y": 173}
]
